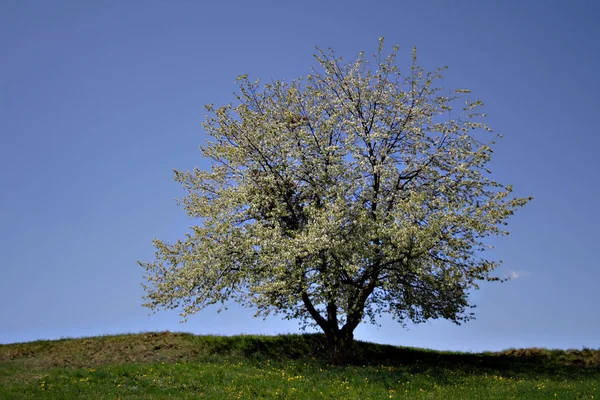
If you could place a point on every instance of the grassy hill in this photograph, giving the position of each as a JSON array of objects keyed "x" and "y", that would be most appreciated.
[{"x": 183, "y": 366}]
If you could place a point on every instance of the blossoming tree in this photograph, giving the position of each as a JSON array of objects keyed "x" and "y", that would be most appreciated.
[{"x": 356, "y": 191}]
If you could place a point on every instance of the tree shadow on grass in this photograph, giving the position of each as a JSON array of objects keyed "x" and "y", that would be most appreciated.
[{"x": 514, "y": 362}]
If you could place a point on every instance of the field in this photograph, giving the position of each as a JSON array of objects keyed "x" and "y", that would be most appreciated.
[{"x": 183, "y": 366}]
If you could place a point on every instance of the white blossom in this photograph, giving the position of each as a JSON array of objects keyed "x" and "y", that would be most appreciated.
[{"x": 338, "y": 197}]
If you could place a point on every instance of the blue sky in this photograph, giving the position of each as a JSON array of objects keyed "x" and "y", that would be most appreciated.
[{"x": 100, "y": 101}]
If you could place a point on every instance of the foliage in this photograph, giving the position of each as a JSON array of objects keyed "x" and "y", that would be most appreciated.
[{"x": 338, "y": 197}]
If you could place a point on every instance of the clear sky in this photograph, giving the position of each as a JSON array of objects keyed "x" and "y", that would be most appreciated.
[{"x": 101, "y": 100}]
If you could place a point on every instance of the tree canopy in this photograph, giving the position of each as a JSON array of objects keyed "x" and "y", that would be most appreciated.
[{"x": 354, "y": 191}]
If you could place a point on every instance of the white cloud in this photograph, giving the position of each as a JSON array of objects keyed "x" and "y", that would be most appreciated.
[{"x": 517, "y": 274}]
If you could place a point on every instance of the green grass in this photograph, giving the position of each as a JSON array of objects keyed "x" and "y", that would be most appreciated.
[{"x": 183, "y": 366}]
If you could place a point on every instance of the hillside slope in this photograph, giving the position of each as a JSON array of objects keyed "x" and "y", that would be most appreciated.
[{"x": 178, "y": 365}]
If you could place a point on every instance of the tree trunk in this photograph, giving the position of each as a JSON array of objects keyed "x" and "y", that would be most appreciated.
[
  {"x": 339, "y": 345},
  {"x": 339, "y": 341}
]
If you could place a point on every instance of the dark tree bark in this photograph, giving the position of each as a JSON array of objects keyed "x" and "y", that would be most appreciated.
[
  {"x": 340, "y": 340},
  {"x": 339, "y": 346}
]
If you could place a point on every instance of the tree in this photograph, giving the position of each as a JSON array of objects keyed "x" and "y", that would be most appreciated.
[{"x": 338, "y": 197}]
